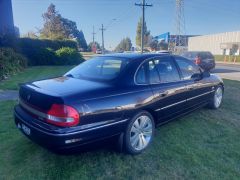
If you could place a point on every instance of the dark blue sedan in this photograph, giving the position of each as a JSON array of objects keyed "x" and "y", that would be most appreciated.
[{"x": 120, "y": 95}]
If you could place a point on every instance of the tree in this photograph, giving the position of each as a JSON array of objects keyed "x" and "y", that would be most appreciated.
[
  {"x": 82, "y": 43},
  {"x": 31, "y": 34},
  {"x": 53, "y": 27},
  {"x": 154, "y": 45},
  {"x": 146, "y": 33},
  {"x": 124, "y": 45},
  {"x": 57, "y": 27}
]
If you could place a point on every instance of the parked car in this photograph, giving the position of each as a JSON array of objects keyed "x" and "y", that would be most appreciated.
[
  {"x": 98, "y": 51},
  {"x": 120, "y": 95},
  {"x": 204, "y": 59},
  {"x": 163, "y": 52}
]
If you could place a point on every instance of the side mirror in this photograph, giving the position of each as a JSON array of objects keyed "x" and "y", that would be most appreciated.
[
  {"x": 205, "y": 74},
  {"x": 197, "y": 76}
]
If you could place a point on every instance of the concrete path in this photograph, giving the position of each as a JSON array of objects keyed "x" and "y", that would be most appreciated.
[
  {"x": 8, "y": 95},
  {"x": 228, "y": 71}
]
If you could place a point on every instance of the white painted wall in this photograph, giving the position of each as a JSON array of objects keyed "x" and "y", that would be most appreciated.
[{"x": 212, "y": 42}]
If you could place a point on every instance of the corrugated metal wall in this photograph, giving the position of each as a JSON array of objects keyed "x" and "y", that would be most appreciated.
[{"x": 212, "y": 42}]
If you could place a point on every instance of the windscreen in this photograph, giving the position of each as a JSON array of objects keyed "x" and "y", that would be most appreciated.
[
  {"x": 190, "y": 55},
  {"x": 99, "y": 68}
]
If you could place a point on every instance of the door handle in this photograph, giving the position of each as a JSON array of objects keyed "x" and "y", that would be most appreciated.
[
  {"x": 163, "y": 94},
  {"x": 190, "y": 88}
]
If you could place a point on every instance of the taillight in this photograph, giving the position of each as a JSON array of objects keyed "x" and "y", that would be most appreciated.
[
  {"x": 62, "y": 115},
  {"x": 197, "y": 60}
]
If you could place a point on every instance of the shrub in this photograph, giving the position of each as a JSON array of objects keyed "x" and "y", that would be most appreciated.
[
  {"x": 42, "y": 51},
  {"x": 41, "y": 56},
  {"x": 8, "y": 41},
  {"x": 11, "y": 62},
  {"x": 68, "y": 56},
  {"x": 47, "y": 56},
  {"x": 28, "y": 43}
]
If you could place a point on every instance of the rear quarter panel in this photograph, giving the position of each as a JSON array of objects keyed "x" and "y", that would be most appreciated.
[{"x": 123, "y": 104}]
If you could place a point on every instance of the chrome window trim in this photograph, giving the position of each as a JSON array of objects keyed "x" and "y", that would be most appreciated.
[
  {"x": 200, "y": 95},
  {"x": 165, "y": 107}
]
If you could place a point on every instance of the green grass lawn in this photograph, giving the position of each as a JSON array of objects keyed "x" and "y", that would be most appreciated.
[
  {"x": 202, "y": 145},
  {"x": 33, "y": 73},
  {"x": 229, "y": 58}
]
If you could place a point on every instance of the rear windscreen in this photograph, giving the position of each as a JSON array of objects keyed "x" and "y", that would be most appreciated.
[{"x": 99, "y": 68}]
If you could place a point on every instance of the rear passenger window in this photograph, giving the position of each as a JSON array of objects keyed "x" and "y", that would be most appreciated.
[
  {"x": 187, "y": 67},
  {"x": 141, "y": 76},
  {"x": 167, "y": 69},
  {"x": 153, "y": 73}
]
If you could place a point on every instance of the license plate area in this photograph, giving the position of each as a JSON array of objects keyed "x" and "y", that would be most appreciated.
[{"x": 26, "y": 130}]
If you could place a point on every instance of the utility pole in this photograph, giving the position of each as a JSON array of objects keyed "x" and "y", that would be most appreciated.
[
  {"x": 143, "y": 5},
  {"x": 93, "y": 33},
  {"x": 102, "y": 29}
]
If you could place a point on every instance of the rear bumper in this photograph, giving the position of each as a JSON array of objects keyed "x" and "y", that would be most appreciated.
[{"x": 67, "y": 138}]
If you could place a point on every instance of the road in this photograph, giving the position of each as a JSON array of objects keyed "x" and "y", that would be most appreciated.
[{"x": 228, "y": 71}]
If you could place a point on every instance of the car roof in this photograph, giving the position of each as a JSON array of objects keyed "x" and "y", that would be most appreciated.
[{"x": 133, "y": 55}]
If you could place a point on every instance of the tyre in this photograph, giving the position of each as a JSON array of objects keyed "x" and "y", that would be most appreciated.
[
  {"x": 217, "y": 99},
  {"x": 139, "y": 133}
]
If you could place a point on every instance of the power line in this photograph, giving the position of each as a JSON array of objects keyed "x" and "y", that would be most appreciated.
[
  {"x": 124, "y": 15},
  {"x": 93, "y": 33},
  {"x": 120, "y": 18},
  {"x": 102, "y": 29},
  {"x": 143, "y": 5},
  {"x": 110, "y": 23}
]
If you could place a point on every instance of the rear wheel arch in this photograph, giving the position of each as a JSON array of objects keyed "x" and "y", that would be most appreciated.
[
  {"x": 212, "y": 103},
  {"x": 221, "y": 84},
  {"x": 148, "y": 110},
  {"x": 153, "y": 113}
]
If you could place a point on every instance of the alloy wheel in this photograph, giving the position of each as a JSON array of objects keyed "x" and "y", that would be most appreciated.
[
  {"x": 218, "y": 97},
  {"x": 141, "y": 132}
]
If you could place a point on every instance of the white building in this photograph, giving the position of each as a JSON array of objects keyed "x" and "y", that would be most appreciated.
[{"x": 227, "y": 43}]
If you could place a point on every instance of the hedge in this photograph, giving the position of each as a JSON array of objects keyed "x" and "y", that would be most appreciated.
[
  {"x": 41, "y": 51},
  {"x": 28, "y": 43},
  {"x": 41, "y": 56},
  {"x": 11, "y": 62},
  {"x": 47, "y": 56},
  {"x": 45, "y": 51}
]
